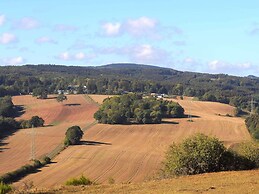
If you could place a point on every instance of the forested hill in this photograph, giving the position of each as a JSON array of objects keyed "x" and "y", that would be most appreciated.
[{"x": 121, "y": 77}]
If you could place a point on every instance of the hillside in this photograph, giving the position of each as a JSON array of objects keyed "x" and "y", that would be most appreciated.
[
  {"x": 127, "y": 77},
  {"x": 16, "y": 149},
  {"x": 133, "y": 153},
  {"x": 222, "y": 182}
]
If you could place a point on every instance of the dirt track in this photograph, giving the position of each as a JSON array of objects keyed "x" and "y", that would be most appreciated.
[
  {"x": 133, "y": 153},
  {"x": 16, "y": 149}
]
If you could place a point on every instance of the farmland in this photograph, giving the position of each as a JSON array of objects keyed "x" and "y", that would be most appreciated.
[
  {"x": 133, "y": 153},
  {"x": 16, "y": 149}
]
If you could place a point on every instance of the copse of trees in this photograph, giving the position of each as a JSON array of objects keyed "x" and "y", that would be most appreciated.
[
  {"x": 35, "y": 121},
  {"x": 252, "y": 123},
  {"x": 73, "y": 135},
  {"x": 202, "y": 154},
  {"x": 132, "y": 108},
  {"x": 61, "y": 97},
  {"x": 6, "y": 106}
]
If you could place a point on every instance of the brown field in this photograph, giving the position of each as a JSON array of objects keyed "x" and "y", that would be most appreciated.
[
  {"x": 133, "y": 153},
  {"x": 16, "y": 149},
  {"x": 222, "y": 182},
  {"x": 99, "y": 98}
]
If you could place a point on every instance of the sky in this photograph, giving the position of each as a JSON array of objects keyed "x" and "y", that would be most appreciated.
[{"x": 202, "y": 36}]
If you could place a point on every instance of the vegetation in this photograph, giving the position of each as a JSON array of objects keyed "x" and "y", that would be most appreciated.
[
  {"x": 40, "y": 93},
  {"x": 7, "y": 111},
  {"x": 252, "y": 123},
  {"x": 119, "y": 78},
  {"x": 73, "y": 135},
  {"x": 24, "y": 170},
  {"x": 202, "y": 154},
  {"x": 61, "y": 98},
  {"x": 35, "y": 121},
  {"x": 6, "y": 107},
  {"x": 130, "y": 108},
  {"x": 80, "y": 181},
  {"x": 4, "y": 188}
]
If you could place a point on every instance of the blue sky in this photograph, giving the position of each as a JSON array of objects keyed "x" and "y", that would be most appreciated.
[{"x": 202, "y": 36}]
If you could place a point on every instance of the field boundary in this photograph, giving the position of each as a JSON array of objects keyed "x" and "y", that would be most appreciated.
[
  {"x": 89, "y": 99},
  {"x": 62, "y": 147}
]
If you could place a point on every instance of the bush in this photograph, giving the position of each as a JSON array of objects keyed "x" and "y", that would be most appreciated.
[
  {"x": 252, "y": 123},
  {"x": 35, "y": 121},
  {"x": 202, "y": 154},
  {"x": 73, "y": 135},
  {"x": 80, "y": 181},
  {"x": 249, "y": 151},
  {"x": 4, "y": 188},
  {"x": 197, "y": 154},
  {"x": 46, "y": 160}
]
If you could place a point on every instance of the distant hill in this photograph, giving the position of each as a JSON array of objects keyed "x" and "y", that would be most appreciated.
[{"x": 129, "y": 77}]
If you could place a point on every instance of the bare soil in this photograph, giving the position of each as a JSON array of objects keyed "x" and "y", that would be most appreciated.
[{"x": 134, "y": 153}]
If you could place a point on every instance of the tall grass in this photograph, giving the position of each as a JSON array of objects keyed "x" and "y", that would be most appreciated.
[
  {"x": 4, "y": 188},
  {"x": 80, "y": 181}
]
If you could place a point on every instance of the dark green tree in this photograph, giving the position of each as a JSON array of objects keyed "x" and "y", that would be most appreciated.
[
  {"x": 196, "y": 154},
  {"x": 61, "y": 98},
  {"x": 73, "y": 135}
]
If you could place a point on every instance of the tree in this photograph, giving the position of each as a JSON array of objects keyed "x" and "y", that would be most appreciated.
[
  {"x": 40, "y": 93},
  {"x": 133, "y": 108},
  {"x": 61, "y": 98},
  {"x": 35, "y": 121},
  {"x": 196, "y": 154},
  {"x": 73, "y": 135}
]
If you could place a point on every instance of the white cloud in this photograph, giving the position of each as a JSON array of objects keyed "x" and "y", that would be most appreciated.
[
  {"x": 67, "y": 56},
  {"x": 2, "y": 19},
  {"x": 79, "y": 56},
  {"x": 26, "y": 23},
  {"x": 217, "y": 66},
  {"x": 143, "y": 26},
  {"x": 45, "y": 39},
  {"x": 111, "y": 29},
  {"x": 64, "y": 56},
  {"x": 13, "y": 61},
  {"x": 140, "y": 26},
  {"x": 146, "y": 53},
  {"x": 7, "y": 38}
]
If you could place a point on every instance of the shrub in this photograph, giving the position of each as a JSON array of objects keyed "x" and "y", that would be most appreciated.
[
  {"x": 201, "y": 154},
  {"x": 80, "y": 181},
  {"x": 252, "y": 123},
  {"x": 111, "y": 180},
  {"x": 197, "y": 154},
  {"x": 46, "y": 160},
  {"x": 250, "y": 151},
  {"x": 35, "y": 121},
  {"x": 73, "y": 135},
  {"x": 4, "y": 188}
]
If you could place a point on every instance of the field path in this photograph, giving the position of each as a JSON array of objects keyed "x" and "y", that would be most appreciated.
[
  {"x": 16, "y": 149},
  {"x": 133, "y": 153}
]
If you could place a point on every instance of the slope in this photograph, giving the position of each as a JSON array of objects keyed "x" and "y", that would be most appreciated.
[
  {"x": 133, "y": 153},
  {"x": 58, "y": 117}
]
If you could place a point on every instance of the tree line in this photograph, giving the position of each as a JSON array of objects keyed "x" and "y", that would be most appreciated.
[{"x": 40, "y": 80}]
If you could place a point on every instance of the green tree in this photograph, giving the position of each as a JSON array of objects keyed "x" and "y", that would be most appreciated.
[
  {"x": 196, "y": 154},
  {"x": 40, "y": 93},
  {"x": 73, "y": 135},
  {"x": 37, "y": 121},
  {"x": 61, "y": 98}
]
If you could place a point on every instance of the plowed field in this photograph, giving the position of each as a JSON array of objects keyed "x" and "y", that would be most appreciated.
[
  {"x": 16, "y": 149},
  {"x": 133, "y": 153}
]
